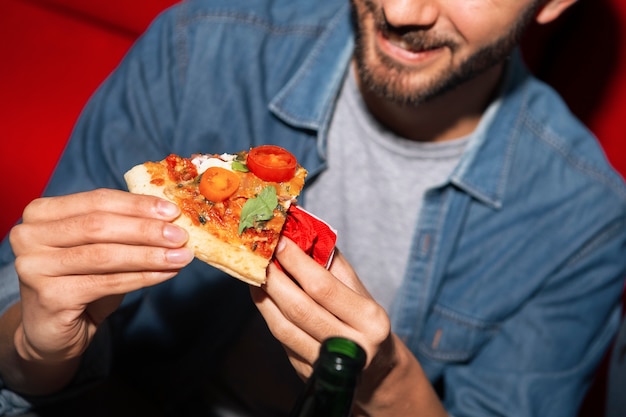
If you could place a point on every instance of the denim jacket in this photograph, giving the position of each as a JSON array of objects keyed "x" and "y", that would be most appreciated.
[{"x": 512, "y": 290}]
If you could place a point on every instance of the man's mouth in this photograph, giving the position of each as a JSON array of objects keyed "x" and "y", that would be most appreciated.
[
  {"x": 409, "y": 46},
  {"x": 408, "y": 49},
  {"x": 414, "y": 40},
  {"x": 411, "y": 39}
]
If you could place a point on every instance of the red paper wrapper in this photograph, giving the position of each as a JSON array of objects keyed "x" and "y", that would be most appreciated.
[{"x": 311, "y": 234}]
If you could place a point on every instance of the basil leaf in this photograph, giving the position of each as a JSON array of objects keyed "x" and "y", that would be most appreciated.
[
  {"x": 239, "y": 166},
  {"x": 259, "y": 208}
]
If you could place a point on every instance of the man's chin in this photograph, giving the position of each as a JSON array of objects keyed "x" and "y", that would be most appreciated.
[{"x": 395, "y": 83}]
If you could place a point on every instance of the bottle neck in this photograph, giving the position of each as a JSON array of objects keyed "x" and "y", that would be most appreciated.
[
  {"x": 324, "y": 398},
  {"x": 330, "y": 389}
]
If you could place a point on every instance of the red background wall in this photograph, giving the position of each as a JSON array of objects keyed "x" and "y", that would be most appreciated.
[{"x": 54, "y": 54}]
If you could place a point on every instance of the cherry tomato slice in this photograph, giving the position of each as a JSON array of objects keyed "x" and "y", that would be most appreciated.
[
  {"x": 217, "y": 184},
  {"x": 272, "y": 163}
]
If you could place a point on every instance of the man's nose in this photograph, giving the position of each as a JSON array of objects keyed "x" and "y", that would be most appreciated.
[{"x": 403, "y": 13}]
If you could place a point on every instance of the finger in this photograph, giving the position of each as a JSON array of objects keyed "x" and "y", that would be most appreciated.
[
  {"x": 292, "y": 337},
  {"x": 302, "y": 366},
  {"x": 88, "y": 288},
  {"x": 73, "y": 293},
  {"x": 303, "y": 308},
  {"x": 343, "y": 271},
  {"x": 323, "y": 287},
  {"x": 98, "y": 227},
  {"x": 115, "y": 201},
  {"x": 102, "y": 259}
]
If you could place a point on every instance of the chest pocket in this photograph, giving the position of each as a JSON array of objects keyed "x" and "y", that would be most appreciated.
[{"x": 449, "y": 336}]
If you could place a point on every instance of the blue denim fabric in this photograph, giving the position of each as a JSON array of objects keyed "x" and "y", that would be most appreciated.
[
  {"x": 616, "y": 380},
  {"x": 512, "y": 290}
]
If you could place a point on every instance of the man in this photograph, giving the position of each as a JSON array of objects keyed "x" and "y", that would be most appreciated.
[{"x": 480, "y": 216}]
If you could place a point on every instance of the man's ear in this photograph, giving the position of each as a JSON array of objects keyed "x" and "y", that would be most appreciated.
[{"x": 552, "y": 9}]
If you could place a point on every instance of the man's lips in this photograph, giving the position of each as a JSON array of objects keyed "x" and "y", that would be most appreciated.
[{"x": 399, "y": 49}]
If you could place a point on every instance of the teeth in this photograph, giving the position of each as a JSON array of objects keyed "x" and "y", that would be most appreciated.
[
  {"x": 402, "y": 44},
  {"x": 399, "y": 43}
]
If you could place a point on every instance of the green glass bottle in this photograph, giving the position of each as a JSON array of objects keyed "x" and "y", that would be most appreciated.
[{"x": 330, "y": 390}]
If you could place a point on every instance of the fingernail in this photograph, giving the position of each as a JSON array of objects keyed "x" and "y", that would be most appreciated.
[
  {"x": 174, "y": 233},
  {"x": 179, "y": 256},
  {"x": 167, "y": 209}
]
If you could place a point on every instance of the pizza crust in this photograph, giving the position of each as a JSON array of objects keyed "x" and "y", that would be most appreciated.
[{"x": 235, "y": 261}]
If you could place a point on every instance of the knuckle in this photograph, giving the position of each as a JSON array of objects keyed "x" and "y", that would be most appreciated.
[
  {"x": 95, "y": 254},
  {"x": 299, "y": 313},
  {"x": 154, "y": 257},
  {"x": 92, "y": 225},
  {"x": 23, "y": 269},
  {"x": 154, "y": 229},
  {"x": 101, "y": 257},
  {"x": 32, "y": 208},
  {"x": 101, "y": 196},
  {"x": 282, "y": 331},
  {"x": 17, "y": 236},
  {"x": 321, "y": 290},
  {"x": 105, "y": 283},
  {"x": 374, "y": 313}
]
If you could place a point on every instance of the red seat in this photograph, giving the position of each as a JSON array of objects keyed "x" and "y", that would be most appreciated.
[{"x": 54, "y": 54}]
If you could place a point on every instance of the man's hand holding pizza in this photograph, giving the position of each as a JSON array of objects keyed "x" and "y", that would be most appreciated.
[
  {"x": 303, "y": 304},
  {"x": 76, "y": 257}
]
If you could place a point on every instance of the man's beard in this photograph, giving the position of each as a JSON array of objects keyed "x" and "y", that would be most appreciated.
[{"x": 390, "y": 80}]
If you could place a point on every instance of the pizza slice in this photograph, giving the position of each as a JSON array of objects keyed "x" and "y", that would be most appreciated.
[{"x": 234, "y": 206}]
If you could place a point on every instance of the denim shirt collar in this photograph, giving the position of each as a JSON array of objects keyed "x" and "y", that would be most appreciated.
[
  {"x": 306, "y": 101},
  {"x": 484, "y": 167}
]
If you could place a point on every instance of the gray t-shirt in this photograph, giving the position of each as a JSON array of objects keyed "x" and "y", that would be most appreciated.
[{"x": 372, "y": 191}]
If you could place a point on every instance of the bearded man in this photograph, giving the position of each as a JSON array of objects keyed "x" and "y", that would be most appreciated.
[{"x": 481, "y": 232}]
